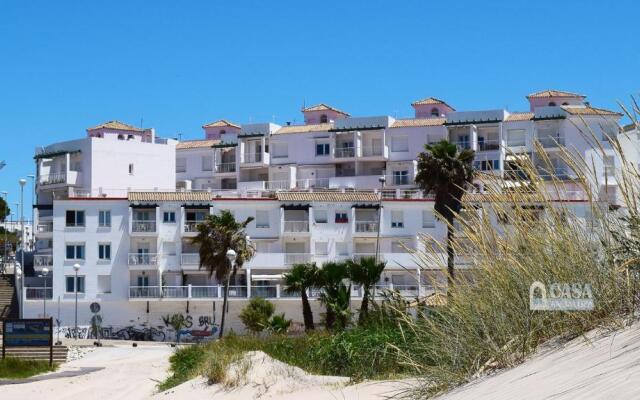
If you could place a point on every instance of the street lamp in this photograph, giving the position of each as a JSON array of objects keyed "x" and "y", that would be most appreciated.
[
  {"x": 22, "y": 182},
  {"x": 76, "y": 268},
  {"x": 5, "y": 194},
  {"x": 45, "y": 272},
  {"x": 17, "y": 271},
  {"x": 382, "y": 180}
]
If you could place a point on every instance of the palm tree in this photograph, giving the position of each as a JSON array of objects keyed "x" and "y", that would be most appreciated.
[
  {"x": 331, "y": 279},
  {"x": 218, "y": 234},
  {"x": 365, "y": 272},
  {"x": 446, "y": 172},
  {"x": 300, "y": 278}
]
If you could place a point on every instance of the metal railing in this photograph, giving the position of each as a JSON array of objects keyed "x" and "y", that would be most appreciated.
[
  {"x": 267, "y": 292},
  {"x": 296, "y": 258},
  {"x": 252, "y": 158},
  {"x": 312, "y": 183},
  {"x": 38, "y": 293},
  {"x": 45, "y": 227},
  {"x": 226, "y": 167},
  {"x": 190, "y": 259},
  {"x": 345, "y": 152},
  {"x": 488, "y": 145},
  {"x": 143, "y": 226},
  {"x": 296, "y": 226},
  {"x": 143, "y": 259},
  {"x": 51, "y": 179},
  {"x": 366, "y": 226},
  {"x": 204, "y": 292},
  {"x": 237, "y": 291},
  {"x": 141, "y": 292},
  {"x": 175, "y": 292},
  {"x": 42, "y": 260},
  {"x": 191, "y": 226},
  {"x": 462, "y": 145}
]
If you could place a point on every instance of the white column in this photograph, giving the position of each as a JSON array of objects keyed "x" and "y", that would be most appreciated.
[{"x": 248, "y": 282}]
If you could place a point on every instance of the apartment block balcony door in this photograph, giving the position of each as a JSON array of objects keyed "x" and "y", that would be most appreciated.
[{"x": 143, "y": 281}]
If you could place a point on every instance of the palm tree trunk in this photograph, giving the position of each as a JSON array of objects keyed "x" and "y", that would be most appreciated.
[
  {"x": 224, "y": 305},
  {"x": 364, "y": 307},
  {"x": 450, "y": 254},
  {"x": 307, "y": 315}
]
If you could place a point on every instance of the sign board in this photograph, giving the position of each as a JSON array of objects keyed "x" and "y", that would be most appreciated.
[
  {"x": 95, "y": 308},
  {"x": 28, "y": 333}
]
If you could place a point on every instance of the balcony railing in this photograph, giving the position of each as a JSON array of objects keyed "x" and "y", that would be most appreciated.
[
  {"x": 345, "y": 152},
  {"x": 52, "y": 179},
  {"x": 190, "y": 259},
  {"x": 296, "y": 258},
  {"x": 175, "y": 292},
  {"x": 296, "y": 226},
  {"x": 488, "y": 145},
  {"x": 551, "y": 141},
  {"x": 237, "y": 291},
  {"x": 45, "y": 227},
  {"x": 204, "y": 292},
  {"x": 143, "y": 226},
  {"x": 226, "y": 167},
  {"x": 267, "y": 292},
  {"x": 360, "y": 256},
  {"x": 366, "y": 226},
  {"x": 312, "y": 183},
  {"x": 191, "y": 226},
  {"x": 370, "y": 151},
  {"x": 142, "y": 292},
  {"x": 252, "y": 158},
  {"x": 42, "y": 260},
  {"x": 38, "y": 293},
  {"x": 143, "y": 259},
  {"x": 463, "y": 144}
]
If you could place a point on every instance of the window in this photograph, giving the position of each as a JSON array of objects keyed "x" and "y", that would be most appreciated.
[
  {"x": 609, "y": 166},
  {"x": 397, "y": 219},
  {"x": 324, "y": 119},
  {"x": 399, "y": 144},
  {"x": 130, "y": 137},
  {"x": 70, "y": 284},
  {"x": 279, "y": 150},
  {"x": 487, "y": 165},
  {"x": 75, "y": 252},
  {"x": 75, "y": 218},
  {"x": 169, "y": 217},
  {"x": 435, "y": 112},
  {"x": 322, "y": 248},
  {"x": 401, "y": 177},
  {"x": 516, "y": 137},
  {"x": 130, "y": 169},
  {"x": 320, "y": 216},
  {"x": 207, "y": 163},
  {"x": 104, "y": 251},
  {"x": 322, "y": 149},
  {"x": 428, "y": 219},
  {"x": 342, "y": 249},
  {"x": 262, "y": 219},
  {"x": 181, "y": 165},
  {"x": 104, "y": 218},
  {"x": 222, "y": 131},
  {"x": 341, "y": 217},
  {"x": 120, "y": 137}
]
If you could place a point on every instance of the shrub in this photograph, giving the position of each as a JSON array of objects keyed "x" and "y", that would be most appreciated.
[
  {"x": 279, "y": 324},
  {"x": 16, "y": 368},
  {"x": 255, "y": 315}
]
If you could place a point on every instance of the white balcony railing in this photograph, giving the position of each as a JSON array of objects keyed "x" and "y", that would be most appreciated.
[
  {"x": 366, "y": 226},
  {"x": 143, "y": 259},
  {"x": 52, "y": 179},
  {"x": 296, "y": 226},
  {"x": 142, "y": 292},
  {"x": 190, "y": 259},
  {"x": 205, "y": 292},
  {"x": 345, "y": 152},
  {"x": 42, "y": 260},
  {"x": 46, "y": 227},
  {"x": 191, "y": 226},
  {"x": 371, "y": 151},
  {"x": 143, "y": 226},
  {"x": 296, "y": 258},
  {"x": 175, "y": 292}
]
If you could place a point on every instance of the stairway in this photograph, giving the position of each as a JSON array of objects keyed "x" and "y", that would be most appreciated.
[{"x": 8, "y": 298}]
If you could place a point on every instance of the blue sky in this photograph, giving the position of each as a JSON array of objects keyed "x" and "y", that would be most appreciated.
[{"x": 68, "y": 65}]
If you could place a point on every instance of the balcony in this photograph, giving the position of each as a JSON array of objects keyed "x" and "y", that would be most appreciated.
[
  {"x": 252, "y": 158},
  {"x": 42, "y": 261},
  {"x": 462, "y": 144},
  {"x": 38, "y": 293},
  {"x": 44, "y": 228},
  {"x": 143, "y": 260},
  {"x": 488, "y": 145},
  {"x": 345, "y": 152},
  {"x": 225, "y": 168},
  {"x": 359, "y": 256},
  {"x": 143, "y": 226},
  {"x": 372, "y": 151},
  {"x": 144, "y": 292},
  {"x": 296, "y": 226},
  {"x": 267, "y": 292},
  {"x": 366, "y": 226},
  {"x": 551, "y": 141},
  {"x": 190, "y": 259},
  {"x": 205, "y": 292},
  {"x": 296, "y": 258},
  {"x": 175, "y": 292},
  {"x": 191, "y": 226},
  {"x": 60, "y": 178}
]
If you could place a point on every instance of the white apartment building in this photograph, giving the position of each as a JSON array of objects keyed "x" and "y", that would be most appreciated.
[{"x": 124, "y": 204}]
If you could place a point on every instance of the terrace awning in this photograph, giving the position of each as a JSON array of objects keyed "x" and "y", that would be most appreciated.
[{"x": 274, "y": 277}]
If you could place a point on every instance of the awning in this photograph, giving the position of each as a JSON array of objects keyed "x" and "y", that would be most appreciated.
[
  {"x": 296, "y": 206},
  {"x": 49, "y": 154},
  {"x": 366, "y": 206},
  {"x": 275, "y": 277}
]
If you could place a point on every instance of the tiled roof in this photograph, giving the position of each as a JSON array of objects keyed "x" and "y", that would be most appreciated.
[
  {"x": 589, "y": 111},
  {"x": 220, "y": 123},
  {"x": 323, "y": 107},
  {"x": 520, "y": 116},
  {"x": 342, "y": 197},
  {"x": 121, "y": 126},
  {"x": 304, "y": 128},
  {"x": 197, "y": 144},
  {"x": 410, "y": 122},
  {"x": 169, "y": 196},
  {"x": 552, "y": 93},
  {"x": 429, "y": 100}
]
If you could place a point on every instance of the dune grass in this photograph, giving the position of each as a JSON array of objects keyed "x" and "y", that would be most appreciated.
[{"x": 15, "y": 368}]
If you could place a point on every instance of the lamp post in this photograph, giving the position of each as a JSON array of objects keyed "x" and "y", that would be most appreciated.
[
  {"x": 231, "y": 256},
  {"x": 22, "y": 182},
  {"x": 45, "y": 272},
  {"x": 33, "y": 211},
  {"x": 382, "y": 180},
  {"x": 5, "y": 194},
  {"x": 76, "y": 268},
  {"x": 17, "y": 271}
]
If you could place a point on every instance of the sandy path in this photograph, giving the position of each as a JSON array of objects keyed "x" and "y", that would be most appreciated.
[{"x": 105, "y": 373}]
